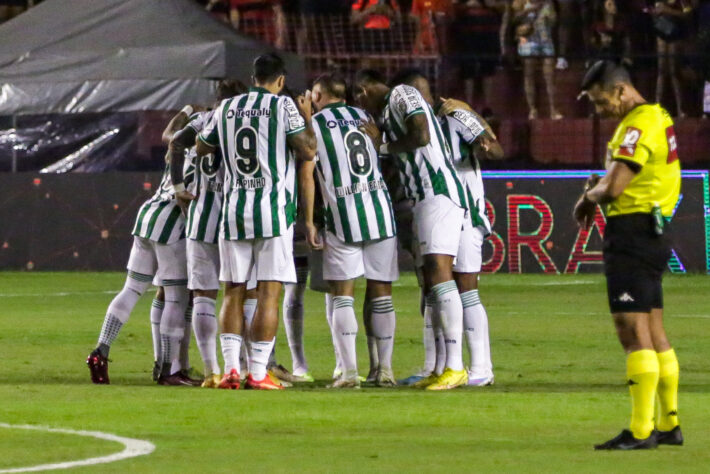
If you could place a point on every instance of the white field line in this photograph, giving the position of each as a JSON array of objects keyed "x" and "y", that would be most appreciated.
[
  {"x": 60, "y": 293},
  {"x": 132, "y": 448}
]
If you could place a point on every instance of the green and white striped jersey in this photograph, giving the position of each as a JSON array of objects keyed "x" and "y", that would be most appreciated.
[
  {"x": 357, "y": 203},
  {"x": 159, "y": 218},
  {"x": 461, "y": 129},
  {"x": 204, "y": 213},
  {"x": 428, "y": 170},
  {"x": 260, "y": 176}
]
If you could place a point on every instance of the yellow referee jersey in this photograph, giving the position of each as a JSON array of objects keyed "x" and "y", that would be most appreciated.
[{"x": 645, "y": 139}]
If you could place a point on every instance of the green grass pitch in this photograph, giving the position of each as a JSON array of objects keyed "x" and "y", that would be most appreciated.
[{"x": 559, "y": 388}]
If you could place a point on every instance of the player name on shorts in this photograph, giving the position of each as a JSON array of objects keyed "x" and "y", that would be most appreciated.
[
  {"x": 249, "y": 183},
  {"x": 359, "y": 187}
]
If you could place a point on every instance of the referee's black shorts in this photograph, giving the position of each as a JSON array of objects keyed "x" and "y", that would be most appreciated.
[{"x": 634, "y": 260}]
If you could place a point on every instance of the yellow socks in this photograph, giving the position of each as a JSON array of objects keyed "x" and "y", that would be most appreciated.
[
  {"x": 642, "y": 375},
  {"x": 667, "y": 390}
]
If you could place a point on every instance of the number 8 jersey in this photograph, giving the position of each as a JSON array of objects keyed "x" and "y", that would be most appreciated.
[
  {"x": 357, "y": 203},
  {"x": 259, "y": 188}
]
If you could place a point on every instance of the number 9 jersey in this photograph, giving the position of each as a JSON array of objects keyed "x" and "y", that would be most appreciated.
[
  {"x": 203, "y": 214},
  {"x": 260, "y": 179},
  {"x": 645, "y": 140},
  {"x": 357, "y": 203}
]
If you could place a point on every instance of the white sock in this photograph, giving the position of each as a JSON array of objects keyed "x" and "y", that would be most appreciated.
[
  {"x": 231, "y": 345},
  {"x": 329, "y": 318},
  {"x": 249, "y": 308},
  {"x": 119, "y": 310},
  {"x": 172, "y": 327},
  {"x": 371, "y": 339},
  {"x": 186, "y": 336},
  {"x": 345, "y": 326},
  {"x": 383, "y": 327},
  {"x": 156, "y": 312},
  {"x": 260, "y": 352},
  {"x": 428, "y": 338},
  {"x": 475, "y": 322},
  {"x": 293, "y": 324},
  {"x": 448, "y": 305},
  {"x": 204, "y": 323}
]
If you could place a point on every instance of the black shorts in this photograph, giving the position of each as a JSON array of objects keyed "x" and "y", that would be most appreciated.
[{"x": 634, "y": 261}]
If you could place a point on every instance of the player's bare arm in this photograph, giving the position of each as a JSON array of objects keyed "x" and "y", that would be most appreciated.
[
  {"x": 370, "y": 129},
  {"x": 181, "y": 141},
  {"x": 304, "y": 143},
  {"x": 602, "y": 191},
  {"x": 417, "y": 135},
  {"x": 179, "y": 121},
  {"x": 202, "y": 148},
  {"x": 306, "y": 187}
]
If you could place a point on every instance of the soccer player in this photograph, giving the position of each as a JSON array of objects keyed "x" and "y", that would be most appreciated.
[
  {"x": 469, "y": 137},
  {"x": 640, "y": 190},
  {"x": 202, "y": 204},
  {"x": 360, "y": 229},
  {"x": 158, "y": 249},
  {"x": 415, "y": 138},
  {"x": 256, "y": 133}
]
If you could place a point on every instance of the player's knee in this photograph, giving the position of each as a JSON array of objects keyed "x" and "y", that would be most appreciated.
[
  {"x": 177, "y": 294},
  {"x": 136, "y": 286}
]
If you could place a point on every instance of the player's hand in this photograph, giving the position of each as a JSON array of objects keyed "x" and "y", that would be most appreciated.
[
  {"x": 450, "y": 105},
  {"x": 584, "y": 212},
  {"x": 183, "y": 200},
  {"x": 304, "y": 102},
  {"x": 313, "y": 236},
  {"x": 370, "y": 129}
]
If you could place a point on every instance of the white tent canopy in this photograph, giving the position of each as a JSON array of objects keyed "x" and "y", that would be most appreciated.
[{"x": 121, "y": 55}]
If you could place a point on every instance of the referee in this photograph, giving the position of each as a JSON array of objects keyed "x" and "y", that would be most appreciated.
[{"x": 640, "y": 190}]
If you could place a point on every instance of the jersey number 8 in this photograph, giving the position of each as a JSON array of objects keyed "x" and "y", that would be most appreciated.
[
  {"x": 358, "y": 154},
  {"x": 245, "y": 151}
]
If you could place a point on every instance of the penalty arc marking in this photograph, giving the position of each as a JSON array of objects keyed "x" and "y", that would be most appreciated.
[{"x": 132, "y": 448}]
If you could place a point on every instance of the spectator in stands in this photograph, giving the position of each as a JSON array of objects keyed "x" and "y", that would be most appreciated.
[
  {"x": 703, "y": 48},
  {"x": 610, "y": 37},
  {"x": 11, "y": 8},
  {"x": 670, "y": 27},
  {"x": 374, "y": 19},
  {"x": 219, "y": 9},
  {"x": 474, "y": 43},
  {"x": 323, "y": 26},
  {"x": 574, "y": 18},
  {"x": 263, "y": 19},
  {"x": 534, "y": 21},
  {"x": 429, "y": 13}
]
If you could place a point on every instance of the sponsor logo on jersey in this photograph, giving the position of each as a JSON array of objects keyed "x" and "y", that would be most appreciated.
[{"x": 343, "y": 123}]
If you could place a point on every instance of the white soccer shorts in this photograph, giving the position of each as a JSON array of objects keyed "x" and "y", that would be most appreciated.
[
  {"x": 202, "y": 265},
  {"x": 168, "y": 262},
  {"x": 437, "y": 227},
  {"x": 469, "y": 258},
  {"x": 271, "y": 259},
  {"x": 376, "y": 259}
]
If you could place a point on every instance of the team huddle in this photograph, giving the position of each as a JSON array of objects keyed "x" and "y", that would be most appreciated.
[{"x": 238, "y": 204}]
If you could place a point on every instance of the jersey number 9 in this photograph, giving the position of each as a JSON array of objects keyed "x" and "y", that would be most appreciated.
[
  {"x": 358, "y": 154},
  {"x": 245, "y": 151}
]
